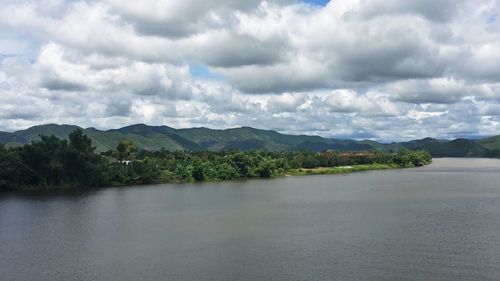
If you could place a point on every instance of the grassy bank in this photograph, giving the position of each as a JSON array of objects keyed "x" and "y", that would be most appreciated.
[{"x": 343, "y": 169}]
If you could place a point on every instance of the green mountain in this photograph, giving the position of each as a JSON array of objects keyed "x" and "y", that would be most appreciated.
[
  {"x": 33, "y": 133},
  {"x": 455, "y": 148},
  {"x": 145, "y": 137},
  {"x": 10, "y": 138},
  {"x": 417, "y": 144},
  {"x": 493, "y": 146},
  {"x": 490, "y": 143},
  {"x": 247, "y": 138}
]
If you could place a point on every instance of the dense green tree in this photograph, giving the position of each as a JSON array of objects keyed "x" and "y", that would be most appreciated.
[
  {"x": 242, "y": 161},
  {"x": 198, "y": 171},
  {"x": 265, "y": 168},
  {"x": 226, "y": 171},
  {"x": 184, "y": 173},
  {"x": 146, "y": 170},
  {"x": 125, "y": 149},
  {"x": 81, "y": 142},
  {"x": 12, "y": 170},
  {"x": 43, "y": 160}
]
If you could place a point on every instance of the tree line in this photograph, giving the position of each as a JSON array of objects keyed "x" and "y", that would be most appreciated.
[{"x": 54, "y": 163}]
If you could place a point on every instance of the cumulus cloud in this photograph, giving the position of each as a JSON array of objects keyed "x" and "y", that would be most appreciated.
[
  {"x": 182, "y": 18},
  {"x": 439, "y": 11},
  {"x": 385, "y": 70},
  {"x": 60, "y": 69},
  {"x": 370, "y": 104},
  {"x": 439, "y": 90}
]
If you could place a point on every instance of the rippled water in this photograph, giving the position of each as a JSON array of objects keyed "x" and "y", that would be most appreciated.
[{"x": 440, "y": 222}]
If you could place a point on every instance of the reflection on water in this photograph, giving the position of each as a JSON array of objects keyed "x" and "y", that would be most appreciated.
[{"x": 440, "y": 222}]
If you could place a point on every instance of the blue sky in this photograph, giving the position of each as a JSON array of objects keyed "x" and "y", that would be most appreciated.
[{"x": 317, "y": 2}]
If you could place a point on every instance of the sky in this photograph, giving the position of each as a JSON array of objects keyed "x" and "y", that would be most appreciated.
[{"x": 386, "y": 70}]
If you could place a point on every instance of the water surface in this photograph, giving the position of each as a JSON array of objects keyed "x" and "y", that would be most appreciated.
[{"x": 440, "y": 222}]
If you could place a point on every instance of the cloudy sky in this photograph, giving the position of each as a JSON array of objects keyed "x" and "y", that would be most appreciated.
[{"x": 364, "y": 69}]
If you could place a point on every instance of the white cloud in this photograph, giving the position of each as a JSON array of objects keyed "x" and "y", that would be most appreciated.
[
  {"x": 362, "y": 68},
  {"x": 440, "y": 90}
]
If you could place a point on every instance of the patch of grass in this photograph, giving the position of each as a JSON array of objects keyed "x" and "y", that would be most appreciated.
[{"x": 341, "y": 170}]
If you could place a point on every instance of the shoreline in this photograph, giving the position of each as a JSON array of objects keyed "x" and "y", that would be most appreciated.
[
  {"x": 344, "y": 169},
  {"x": 291, "y": 173}
]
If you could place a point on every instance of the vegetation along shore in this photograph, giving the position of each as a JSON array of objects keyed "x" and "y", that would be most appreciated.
[{"x": 53, "y": 163}]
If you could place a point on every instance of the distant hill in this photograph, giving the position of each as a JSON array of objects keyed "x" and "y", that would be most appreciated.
[
  {"x": 417, "y": 144},
  {"x": 247, "y": 138},
  {"x": 60, "y": 131},
  {"x": 490, "y": 143},
  {"x": 455, "y": 148},
  {"x": 145, "y": 137},
  {"x": 10, "y": 138}
]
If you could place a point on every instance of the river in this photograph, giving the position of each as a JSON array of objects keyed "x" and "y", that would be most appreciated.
[{"x": 440, "y": 222}]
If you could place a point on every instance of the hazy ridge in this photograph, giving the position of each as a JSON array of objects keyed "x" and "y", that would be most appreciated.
[{"x": 247, "y": 138}]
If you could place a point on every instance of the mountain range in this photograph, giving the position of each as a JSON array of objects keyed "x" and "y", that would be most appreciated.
[{"x": 247, "y": 138}]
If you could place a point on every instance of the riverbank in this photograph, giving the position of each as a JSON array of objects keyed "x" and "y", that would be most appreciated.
[
  {"x": 343, "y": 169},
  {"x": 291, "y": 173},
  {"x": 54, "y": 163}
]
